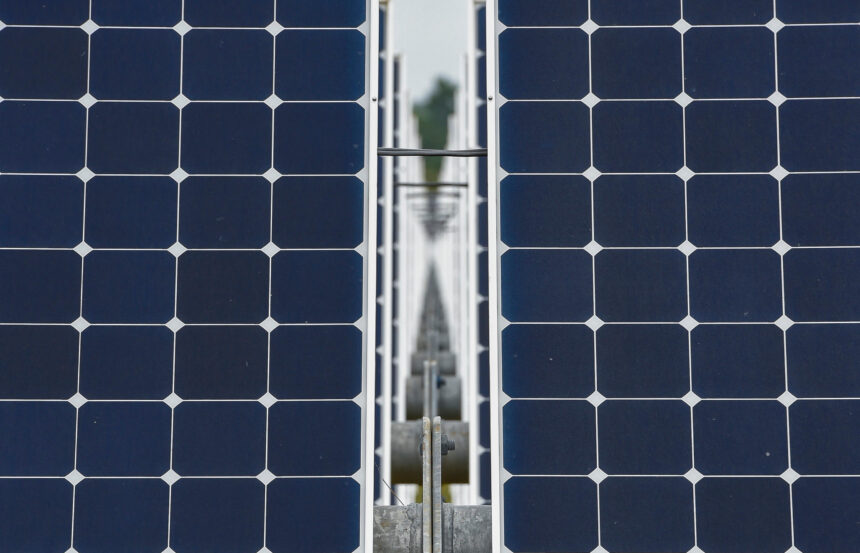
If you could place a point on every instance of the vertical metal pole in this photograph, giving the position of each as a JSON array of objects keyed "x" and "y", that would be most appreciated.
[
  {"x": 428, "y": 388},
  {"x": 437, "y": 484},
  {"x": 427, "y": 488}
]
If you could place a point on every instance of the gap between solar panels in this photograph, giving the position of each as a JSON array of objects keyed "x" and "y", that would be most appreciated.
[{"x": 427, "y": 364}]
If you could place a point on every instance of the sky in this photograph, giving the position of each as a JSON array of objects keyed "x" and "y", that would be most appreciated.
[{"x": 432, "y": 35}]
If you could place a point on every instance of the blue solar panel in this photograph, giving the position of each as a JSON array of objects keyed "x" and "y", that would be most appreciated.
[
  {"x": 478, "y": 138},
  {"x": 675, "y": 188},
  {"x": 184, "y": 217}
]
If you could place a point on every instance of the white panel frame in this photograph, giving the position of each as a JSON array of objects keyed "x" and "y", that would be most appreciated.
[
  {"x": 493, "y": 176},
  {"x": 372, "y": 36}
]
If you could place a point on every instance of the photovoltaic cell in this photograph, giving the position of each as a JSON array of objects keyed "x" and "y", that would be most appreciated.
[
  {"x": 675, "y": 190},
  {"x": 533, "y": 196},
  {"x": 184, "y": 218}
]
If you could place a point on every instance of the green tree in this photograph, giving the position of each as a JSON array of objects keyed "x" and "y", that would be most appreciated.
[{"x": 432, "y": 114}]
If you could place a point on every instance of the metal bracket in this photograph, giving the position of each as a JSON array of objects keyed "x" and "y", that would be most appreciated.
[{"x": 419, "y": 152}]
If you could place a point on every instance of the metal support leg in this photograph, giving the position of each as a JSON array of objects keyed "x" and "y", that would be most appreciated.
[{"x": 437, "y": 484}]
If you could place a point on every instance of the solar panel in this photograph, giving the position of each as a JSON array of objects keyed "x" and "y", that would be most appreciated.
[
  {"x": 480, "y": 461},
  {"x": 386, "y": 361},
  {"x": 674, "y": 249},
  {"x": 185, "y": 212}
]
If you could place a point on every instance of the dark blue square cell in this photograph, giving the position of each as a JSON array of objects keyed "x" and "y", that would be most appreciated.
[
  {"x": 137, "y": 13},
  {"x": 546, "y": 285},
  {"x": 46, "y": 12},
  {"x": 822, "y": 11},
  {"x": 221, "y": 362},
  {"x": 315, "y": 362},
  {"x": 646, "y": 514},
  {"x": 483, "y": 268},
  {"x": 126, "y": 362},
  {"x": 227, "y": 13},
  {"x": 743, "y": 515},
  {"x": 131, "y": 212},
  {"x": 38, "y": 438},
  {"x": 641, "y": 210},
  {"x": 820, "y": 135},
  {"x": 826, "y": 512},
  {"x": 481, "y": 27},
  {"x": 731, "y": 136},
  {"x": 43, "y": 63},
  {"x": 639, "y": 285},
  {"x": 330, "y": 434},
  {"x": 820, "y": 210},
  {"x": 821, "y": 360},
  {"x": 733, "y": 210},
  {"x": 229, "y": 138},
  {"x": 550, "y": 514},
  {"x": 644, "y": 437},
  {"x": 124, "y": 439},
  {"x": 544, "y": 137},
  {"x": 740, "y": 437},
  {"x": 549, "y": 437},
  {"x": 227, "y": 64},
  {"x": 817, "y": 61},
  {"x": 642, "y": 361},
  {"x": 547, "y": 361},
  {"x": 300, "y": 512},
  {"x": 220, "y": 515},
  {"x": 531, "y": 13},
  {"x": 38, "y": 362},
  {"x": 481, "y": 117},
  {"x": 121, "y": 515},
  {"x": 317, "y": 286},
  {"x": 636, "y": 63},
  {"x": 482, "y": 223},
  {"x": 224, "y": 212},
  {"x": 223, "y": 287},
  {"x": 544, "y": 210},
  {"x": 35, "y": 514},
  {"x": 323, "y": 13},
  {"x": 219, "y": 438},
  {"x": 135, "y": 64},
  {"x": 744, "y": 361},
  {"x": 721, "y": 62},
  {"x": 42, "y": 137},
  {"x": 650, "y": 135},
  {"x": 318, "y": 212},
  {"x": 484, "y": 478},
  {"x": 330, "y": 62},
  {"x": 735, "y": 285},
  {"x": 484, "y": 423},
  {"x": 39, "y": 286},
  {"x": 824, "y": 436},
  {"x": 728, "y": 12},
  {"x": 133, "y": 138},
  {"x": 323, "y": 138},
  {"x": 531, "y": 67},
  {"x": 41, "y": 211},
  {"x": 822, "y": 285},
  {"x": 481, "y": 76},
  {"x": 128, "y": 287},
  {"x": 634, "y": 12}
]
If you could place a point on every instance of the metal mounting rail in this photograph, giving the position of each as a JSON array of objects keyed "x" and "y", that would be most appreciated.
[
  {"x": 422, "y": 152},
  {"x": 432, "y": 184}
]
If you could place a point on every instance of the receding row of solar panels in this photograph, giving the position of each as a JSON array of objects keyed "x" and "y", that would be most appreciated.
[{"x": 479, "y": 139}]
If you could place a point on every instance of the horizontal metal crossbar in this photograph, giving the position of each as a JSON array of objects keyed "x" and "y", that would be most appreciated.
[{"x": 422, "y": 152}]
